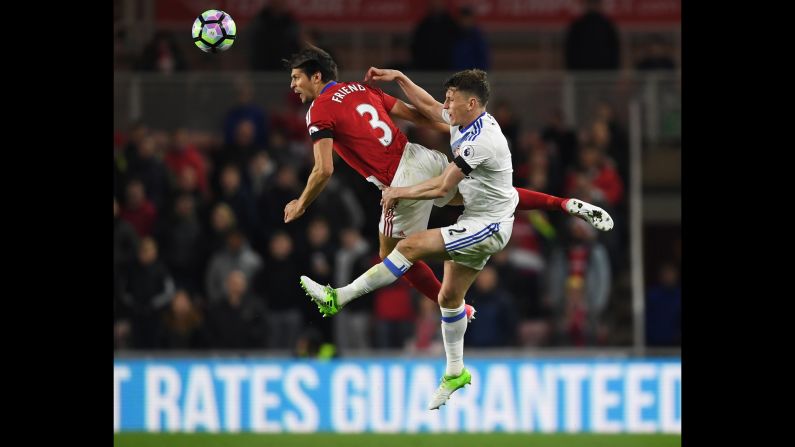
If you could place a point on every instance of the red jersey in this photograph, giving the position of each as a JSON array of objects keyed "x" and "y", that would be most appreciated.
[{"x": 356, "y": 116}]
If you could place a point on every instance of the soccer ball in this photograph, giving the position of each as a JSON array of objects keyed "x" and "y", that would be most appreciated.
[{"x": 214, "y": 31}]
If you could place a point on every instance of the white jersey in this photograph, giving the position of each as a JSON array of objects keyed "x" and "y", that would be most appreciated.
[{"x": 487, "y": 190}]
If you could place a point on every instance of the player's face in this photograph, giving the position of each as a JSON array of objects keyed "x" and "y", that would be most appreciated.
[
  {"x": 457, "y": 105},
  {"x": 302, "y": 85}
]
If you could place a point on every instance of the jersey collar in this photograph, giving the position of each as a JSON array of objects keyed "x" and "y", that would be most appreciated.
[
  {"x": 468, "y": 125},
  {"x": 330, "y": 84}
]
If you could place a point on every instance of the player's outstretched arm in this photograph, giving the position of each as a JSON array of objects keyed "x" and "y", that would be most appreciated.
[
  {"x": 416, "y": 95},
  {"x": 410, "y": 113},
  {"x": 318, "y": 178},
  {"x": 430, "y": 189}
]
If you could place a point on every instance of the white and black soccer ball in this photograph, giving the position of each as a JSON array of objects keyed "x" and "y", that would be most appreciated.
[{"x": 214, "y": 31}]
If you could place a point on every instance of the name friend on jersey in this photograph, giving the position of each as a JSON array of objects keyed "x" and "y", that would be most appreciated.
[{"x": 342, "y": 92}]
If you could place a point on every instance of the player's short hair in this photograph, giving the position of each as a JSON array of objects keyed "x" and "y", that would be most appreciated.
[
  {"x": 472, "y": 81},
  {"x": 311, "y": 60}
]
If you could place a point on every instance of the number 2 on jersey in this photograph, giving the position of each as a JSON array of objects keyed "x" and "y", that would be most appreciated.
[{"x": 375, "y": 123}]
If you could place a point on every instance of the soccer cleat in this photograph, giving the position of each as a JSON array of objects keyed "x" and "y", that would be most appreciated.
[
  {"x": 447, "y": 386},
  {"x": 590, "y": 213},
  {"x": 470, "y": 313},
  {"x": 324, "y": 296}
]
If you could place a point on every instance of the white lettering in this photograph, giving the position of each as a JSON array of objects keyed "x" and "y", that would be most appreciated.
[
  {"x": 538, "y": 400},
  {"x": 232, "y": 375},
  {"x": 668, "y": 377},
  {"x": 379, "y": 421},
  {"x": 424, "y": 382},
  {"x": 341, "y": 403},
  {"x": 637, "y": 399},
  {"x": 165, "y": 402},
  {"x": 261, "y": 399},
  {"x": 120, "y": 374},
  {"x": 499, "y": 407},
  {"x": 573, "y": 375},
  {"x": 200, "y": 407},
  {"x": 602, "y": 398},
  {"x": 308, "y": 419}
]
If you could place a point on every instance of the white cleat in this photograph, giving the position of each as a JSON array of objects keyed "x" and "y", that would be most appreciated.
[
  {"x": 447, "y": 387},
  {"x": 592, "y": 214},
  {"x": 325, "y": 297}
]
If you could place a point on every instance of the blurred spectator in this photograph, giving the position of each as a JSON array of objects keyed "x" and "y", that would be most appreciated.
[
  {"x": 270, "y": 205},
  {"x": 125, "y": 240},
  {"x": 183, "y": 154},
  {"x": 611, "y": 137},
  {"x": 148, "y": 168},
  {"x": 183, "y": 244},
  {"x": 655, "y": 56},
  {"x": 351, "y": 260},
  {"x": 505, "y": 115},
  {"x": 319, "y": 251},
  {"x": 122, "y": 328},
  {"x": 187, "y": 183},
  {"x": 664, "y": 308},
  {"x": 241, "y": 202},
  {"x": 149, "y": 288},
  {"x": 123, "y": 54},
  {"x": 339, "y": 200},
  {"x": 139, "y": 211},
  {"x": 592, "y": 41},
  {"x": 261, "y": 172},
  {"x": 470, "y": 49},
  {"x": 579, "y": 284},
  {"x": 433, "y": 39},
  {"x": 562, "y": 140},
  {"x": 399, "y": 54},
  {"x": 313, "y": 37},
  {"x": 278, "y": 284},
  {"x": 242, "y": 148},
  {"x": 496, "y": 315},
  {"x": 274, "y": 33},
  {"x": 595, "y": 179},
  {"x": 222, "y": 222},
  {"x": 162, "y": 54},
  {"x": 317, "y": 258},
  {"x": 246, "y": 109},
  {"x": 238, "y": 319},
  {"x": 237, "y": 255},
  {"x": 526, "y": 256},
  {"x": 125, "y": 250},
  {"x": 182, "y": 326},
  {"x": 427, "y": 337},
  {"x": 310, "y": 345},
  {"x": 124, "y": 156},
  {"x": 393, "y": 314},
  {"x": 288, "y": 124}
]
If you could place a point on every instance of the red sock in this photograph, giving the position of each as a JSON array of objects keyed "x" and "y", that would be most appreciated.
[
  {"x": 532, "y": 200},
  {"x": 421, "y": 277}
]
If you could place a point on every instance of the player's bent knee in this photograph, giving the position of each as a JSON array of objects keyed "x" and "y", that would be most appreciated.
[
  {"x": 449, "y": 300},
  {"x": 407, "y": 248}
]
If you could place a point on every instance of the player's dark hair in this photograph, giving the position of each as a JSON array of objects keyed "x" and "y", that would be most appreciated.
[
  {"x": 472, "y": 81},
  {"x": 311, "y": 60}
]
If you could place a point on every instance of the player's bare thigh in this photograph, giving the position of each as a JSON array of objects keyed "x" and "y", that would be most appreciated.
[{"x": 457, "y": 280}]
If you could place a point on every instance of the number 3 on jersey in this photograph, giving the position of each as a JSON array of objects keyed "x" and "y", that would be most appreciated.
[{"x": 375, "y": 123}]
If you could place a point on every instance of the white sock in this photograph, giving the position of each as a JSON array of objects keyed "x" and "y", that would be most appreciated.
[
  {"x": 385, "y": 273},
  {"x": 453, "y": 335}
]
